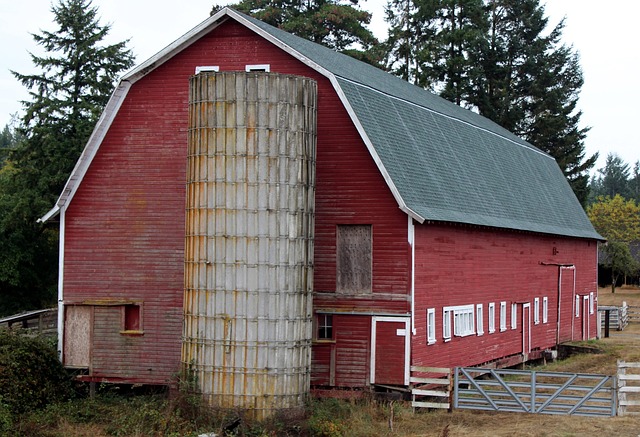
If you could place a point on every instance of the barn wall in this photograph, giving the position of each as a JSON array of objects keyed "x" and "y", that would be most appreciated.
[
  {"x": 125, "y": 225},
  {"x": 457, "y": 265}
]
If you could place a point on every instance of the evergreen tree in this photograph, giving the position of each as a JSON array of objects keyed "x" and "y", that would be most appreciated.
[
  {"x": 613, "y": 179},
  {"x": 67, "y": 97},
  {"x": 337, "y": 24}
]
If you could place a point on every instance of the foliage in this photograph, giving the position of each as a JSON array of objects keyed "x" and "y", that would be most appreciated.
[
  {"x": 337, "y": 24},
  {"x": 613, "y": 178},
  {"x": 76, "y": 79},
  {"x": 497, "y": 57},
  {"x": 31, "y": 376},
  {"x": 617, "y": 257}
]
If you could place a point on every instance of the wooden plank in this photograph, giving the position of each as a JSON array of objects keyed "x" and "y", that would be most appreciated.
[
  {"x": 624, "y": 403},
  {"x": 629, "y": 389},
  {"x": 420, "y": 404},
  {"x": 419, "y": 392},
  {"x": 625, "y": 365},
  {"x": 438, "y": 381},
  {"x": 431, "y": 369},
  {"x": 629, "y": 377}
]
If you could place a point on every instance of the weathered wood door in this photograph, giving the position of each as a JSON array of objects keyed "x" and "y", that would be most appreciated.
[
  {"x": 77, "y": 336},
  {"x": 390, "y": 350}
]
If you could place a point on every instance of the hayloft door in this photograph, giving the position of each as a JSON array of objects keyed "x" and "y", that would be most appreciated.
[
  {"x": 390, "y": 350},
  {"x": 77, "y": 336}
]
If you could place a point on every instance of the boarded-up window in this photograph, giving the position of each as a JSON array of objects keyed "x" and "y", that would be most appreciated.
[
  {"x": 77, "y": 336},
  {"x": 353, "y": 259}
]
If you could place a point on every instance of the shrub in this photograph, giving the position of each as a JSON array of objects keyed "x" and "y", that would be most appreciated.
[{"x": 31, "y": 376}]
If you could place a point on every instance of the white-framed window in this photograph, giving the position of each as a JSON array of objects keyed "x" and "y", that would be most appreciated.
[
  {"x": 431, "y": 326},
  {"x": 591, "y": 303},
  {"x": 577, "y": 306},
  {"x": 492, "y": 317},
  {"x": 545, "y": 309},
  {"x": 463, "y": 320},
  {"x": 514, "y": 315},
  {"x": 205, "y": 68},
  {"x": 503, "y": 316},
  {"x": 536, "y": 310},
  {"x": 446, "y": 323},
  {"x": 258, "y": 67},
  {"x": 479, "y": 325}
]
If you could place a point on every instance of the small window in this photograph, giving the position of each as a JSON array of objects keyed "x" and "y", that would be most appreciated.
[
  {"x": 325, "y": 327},
  {"x": 536, "y": 310},
  {"x": 577, "y": 306},
  {"x": 431, "y": 326},
  {"x": 258, "y": 67},
  {"x": 207, "y": 68},
  {"x": 492, "y": 318},
  {"x": 479, "y": 325},
  {"x": 503, "y": 316},
  {"x": 446, "y": 324},
  {"x": 591, "y": 303},
  {"x": 131, "y": 318},
  {"x": 545, "y": 309},
  {"x": 514, "y": 315}
]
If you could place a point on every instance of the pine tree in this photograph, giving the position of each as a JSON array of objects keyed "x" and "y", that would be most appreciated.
[
  {"x": 337, "y": 24},
  {"x": 67, "y": 96}
]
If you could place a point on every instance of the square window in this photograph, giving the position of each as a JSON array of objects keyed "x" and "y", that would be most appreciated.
[
  {"x": 325, "y": 327},
  {"x": 131, "y": 318}
]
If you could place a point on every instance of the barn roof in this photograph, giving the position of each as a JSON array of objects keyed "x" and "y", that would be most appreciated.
[{"x": 441, "y": 162}]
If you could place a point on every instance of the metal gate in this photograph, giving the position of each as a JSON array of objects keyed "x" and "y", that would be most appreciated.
[{"x": 534, "y": 392}]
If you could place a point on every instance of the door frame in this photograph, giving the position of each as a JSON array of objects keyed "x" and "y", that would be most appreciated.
[
  {"x": 407, "y": 344},
  {"x": 526, "y": 328}
]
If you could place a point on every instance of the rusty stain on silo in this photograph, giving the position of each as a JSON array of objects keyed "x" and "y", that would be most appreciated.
[{"x": 249, "y": 238}]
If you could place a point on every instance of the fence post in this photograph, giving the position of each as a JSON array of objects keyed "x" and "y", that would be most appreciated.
[
  {"x": 533, "y": 392},
  {"x": 621, "y": 382},
  {"x": 455, "y": 387}
]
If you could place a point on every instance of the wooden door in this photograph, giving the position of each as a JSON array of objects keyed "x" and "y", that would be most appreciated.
[
  {"x": 390, "y": 350},
  {"x": 77, "y": 336}
]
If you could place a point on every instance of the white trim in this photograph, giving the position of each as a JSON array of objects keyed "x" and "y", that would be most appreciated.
[
  {"x": 431, "y": 326},
  {"x": 207, "y": 68},
  {"x": 503, "y": 316},
  {"x": 407, "y": 344},
  {"x": 514, "y": 315},
  {"x": 536, "y": 311},
  {"x": 411, "y": 238},
  {"x": 545, "y": 309},
  {"x": 465, "y": 315},
  {"x": 479, "y": 320},
  {"x": 61, "y": 286},
  {"x": 491, "y": 314},
  {"x": 591, "y": 306},
  {"x": 528, "y": 325},
  {"x": 257, "y": 67}
]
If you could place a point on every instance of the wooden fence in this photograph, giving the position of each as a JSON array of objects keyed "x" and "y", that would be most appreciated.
[
  {"x": 618, "y": 316},
  {"x": 628, "y": 389},
  {"x": 430, "y": 387},
  {"x": 633, "y": 313}
]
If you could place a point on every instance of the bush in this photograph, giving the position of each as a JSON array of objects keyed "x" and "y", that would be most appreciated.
[{"x": 31, "y": 376}]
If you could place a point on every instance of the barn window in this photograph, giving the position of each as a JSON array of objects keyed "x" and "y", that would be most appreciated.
[
  {"x": 503, "y": 316},
  {"x": 325, "y": 327},
  {"x": 431, "y": 325},
  {"x": 131, "y": 318},
  {"x": 479, "y": 326},
  {"x": 353, "y": 259},
  {"x": 514, "y": 315},
  {"x": 492, "y": 318},
  {"x": 591, "y": 303},
  {"x": 536, "y": 310},
  {"x": 258, "y": 67},
  {"x": 545, "y": 309},
  {"x": 206, "y": 68},
  {"x": 463, "y": 320},
  {"x": 446, "y": 323},
  {"x": 577, "y": 306}
]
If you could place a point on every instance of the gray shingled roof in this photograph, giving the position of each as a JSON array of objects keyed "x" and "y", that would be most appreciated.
[{"x": 448, "y": 163}]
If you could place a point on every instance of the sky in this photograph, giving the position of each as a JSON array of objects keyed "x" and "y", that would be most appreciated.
[{"x": 605, "y": 37}]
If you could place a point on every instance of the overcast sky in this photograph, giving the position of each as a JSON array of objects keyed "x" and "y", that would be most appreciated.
[{"x": 604, "y": 33}]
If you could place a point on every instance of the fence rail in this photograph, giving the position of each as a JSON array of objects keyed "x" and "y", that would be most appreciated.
[
  {"x": 534, "y": 392},
  {"x": 618, "y": 316},
  {"x": 628, "y": 389},
  {"x": 430, "y": 387},
  {"x": 633, "y": 313}
]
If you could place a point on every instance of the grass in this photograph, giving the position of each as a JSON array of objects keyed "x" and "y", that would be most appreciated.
[{"x": 159, "y": 415}]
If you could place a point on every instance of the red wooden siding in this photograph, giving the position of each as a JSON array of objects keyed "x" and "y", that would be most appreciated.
[
  {"x": 124, "y": 229},
  {"x": 353, "y": 338},
  {"x": 458, "y": 265},
  {"x": 390, "y": 352}
]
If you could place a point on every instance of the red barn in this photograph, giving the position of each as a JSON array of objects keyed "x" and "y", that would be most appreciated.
[{"x": 438, "y": 237}]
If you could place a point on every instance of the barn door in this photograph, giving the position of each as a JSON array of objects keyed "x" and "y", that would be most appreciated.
[
  {"x": 390, "y": 350},
  {"x": 77, "y": 336}
]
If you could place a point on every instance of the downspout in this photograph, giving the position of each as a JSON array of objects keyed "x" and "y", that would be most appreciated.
[
  {"x": 60, "y": 285},
  {"x": 411, "y": 234}
]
